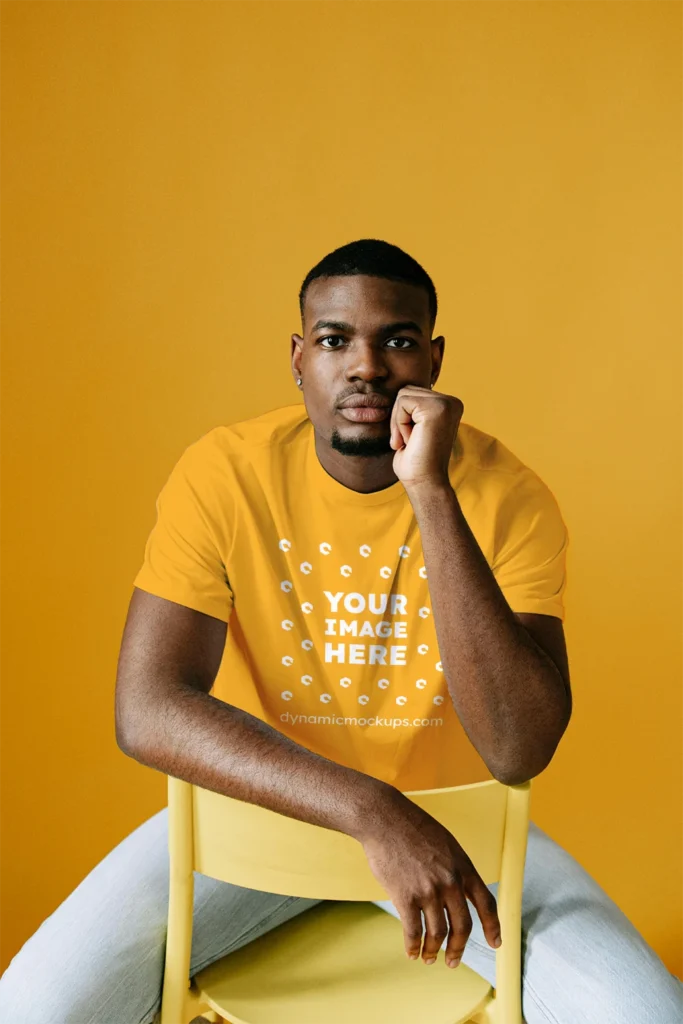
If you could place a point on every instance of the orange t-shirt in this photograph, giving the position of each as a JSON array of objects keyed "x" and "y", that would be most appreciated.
[{"x": 331, "y": 638}]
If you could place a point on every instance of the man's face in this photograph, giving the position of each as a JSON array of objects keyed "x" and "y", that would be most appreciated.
[{"x": 366, "y": 335}]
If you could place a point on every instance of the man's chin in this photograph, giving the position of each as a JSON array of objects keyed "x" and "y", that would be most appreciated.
[{"x": 364, "y": 446}]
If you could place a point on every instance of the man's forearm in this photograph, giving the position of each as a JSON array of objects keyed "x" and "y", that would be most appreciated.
[
  {"x": 198, "y": 738},
  {"x": 508, "y": 694}
]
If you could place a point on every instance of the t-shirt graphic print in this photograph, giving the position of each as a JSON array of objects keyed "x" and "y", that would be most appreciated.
[
  {"x": 331, "y": 637},
  {"x": 360, "y": 659}
]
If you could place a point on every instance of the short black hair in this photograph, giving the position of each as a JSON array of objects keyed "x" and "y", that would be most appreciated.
[{"x": 376, "y": 258}]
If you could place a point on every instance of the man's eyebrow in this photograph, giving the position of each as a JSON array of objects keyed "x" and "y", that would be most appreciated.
[{"x": 341, "y": 325}]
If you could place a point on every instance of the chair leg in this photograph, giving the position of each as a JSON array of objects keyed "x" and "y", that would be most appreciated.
[{"x": 491, "y": 1014}]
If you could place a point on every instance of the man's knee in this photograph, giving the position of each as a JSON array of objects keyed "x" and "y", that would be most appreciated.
[
  {"x": 32, "y": 989},
  {"x": 50, "y": 983},
  {"x": 100, "y": 955}
]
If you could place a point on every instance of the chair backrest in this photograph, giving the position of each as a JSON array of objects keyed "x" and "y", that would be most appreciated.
[
  {"x": 251, "y": 846},
  {"x": 257, "y": 848}
]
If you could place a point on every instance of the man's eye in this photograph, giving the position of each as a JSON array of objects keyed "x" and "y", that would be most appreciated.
[{"x": 338, "y": 337}]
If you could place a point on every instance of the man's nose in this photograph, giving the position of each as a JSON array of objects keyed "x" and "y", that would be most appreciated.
[{"x": 366, "y": 363}]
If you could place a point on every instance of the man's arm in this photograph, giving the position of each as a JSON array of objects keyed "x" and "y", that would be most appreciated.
[
  {"x": 507, "y": 674},
  {"x": 167, "y": 720}
]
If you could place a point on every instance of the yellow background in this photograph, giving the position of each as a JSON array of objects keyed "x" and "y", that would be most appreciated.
[{"x": 171, "y": 171}]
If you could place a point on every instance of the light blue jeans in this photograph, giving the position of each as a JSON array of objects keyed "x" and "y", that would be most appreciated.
[{"x": 99, "y": 958}]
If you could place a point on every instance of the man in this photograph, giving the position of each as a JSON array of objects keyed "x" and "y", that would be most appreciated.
[{"x": 393, "y": 582}]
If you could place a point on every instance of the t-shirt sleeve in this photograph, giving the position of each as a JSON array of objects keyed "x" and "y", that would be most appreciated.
[
  {"x": 182, "y": 560},
  {"x": 530, "y": 566}
]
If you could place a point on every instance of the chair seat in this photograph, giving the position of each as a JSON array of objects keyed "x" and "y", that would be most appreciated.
[{"x": 339, "y": 963}]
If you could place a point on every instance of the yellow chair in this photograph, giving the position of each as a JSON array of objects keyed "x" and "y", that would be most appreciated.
[{"x": 336, "y": 963}]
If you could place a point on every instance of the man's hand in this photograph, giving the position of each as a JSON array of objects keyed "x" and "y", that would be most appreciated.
[
  {"x": 423, "y": 867},
  {"x": 423, "y": 428}
]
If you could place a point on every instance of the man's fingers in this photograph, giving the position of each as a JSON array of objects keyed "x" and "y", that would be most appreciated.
[
  {"x": 460, "y": 921},
  {"x": 487, "y": 908},
  {"x": 436, "y": 929},
  {"x": 411, "y": 919}
]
